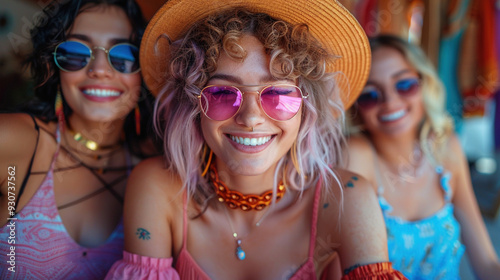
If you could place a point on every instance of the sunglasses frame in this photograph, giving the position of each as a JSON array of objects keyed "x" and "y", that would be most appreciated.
[
  {"x": 381, "y": 97},
  {"x": 92, "y": 57},
  {"x": 259, "y": 94}
]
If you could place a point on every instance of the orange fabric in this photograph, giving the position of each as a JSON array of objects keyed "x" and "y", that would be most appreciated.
[
  {"x": 484, "y": 71},
  {"x": 375, "y": 271},
  {"x": 392, "y": 17}
]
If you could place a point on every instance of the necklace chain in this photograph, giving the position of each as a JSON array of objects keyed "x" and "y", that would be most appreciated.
[
  {"x": 235, "y": 199},
  {"x": 87, "y": 143},
  {"x": 410, "y": 170},
  {"x": 240, "y": 253}
]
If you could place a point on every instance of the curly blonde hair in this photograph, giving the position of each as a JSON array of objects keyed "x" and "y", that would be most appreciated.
[{"x": 298, "y": 55}]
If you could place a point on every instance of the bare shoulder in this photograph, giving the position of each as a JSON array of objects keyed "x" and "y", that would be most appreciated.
[
  {"x": 362, "y": 232},
  {"x": 152, "y": 207},
  {"x": 151, "y": 176},
  {"x": 455, "y": 157},
  {"x": 18, "y": 133},
  {"x": 18, "y": 139},
  {"x": 354, "y": 184},
  {"x": 360, "y": 156},
  {"x": 454, "y": 145},
  {"x": 351, "y": 193},
  {"x": 359, "y": 143}
]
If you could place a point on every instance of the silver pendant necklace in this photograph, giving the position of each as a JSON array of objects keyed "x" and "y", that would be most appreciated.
[{"x": 240, "y": 253}]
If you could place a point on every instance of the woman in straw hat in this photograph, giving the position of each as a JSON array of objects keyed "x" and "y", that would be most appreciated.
[
  {"x": 64, "y": 168},
  {"x": 248, "y": 188},
  {"x": 408, "y": 150}
]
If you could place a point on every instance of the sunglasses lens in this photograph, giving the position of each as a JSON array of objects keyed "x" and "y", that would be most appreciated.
[
  {"x": 281, "y": 102},
  {"x": 408, "y": 87},
  {"x": 368, "y": 98},
  {"x": 124, "y": 58},
  {"x": 220, "y": 103},
  {"x": 72, "y": 56}
]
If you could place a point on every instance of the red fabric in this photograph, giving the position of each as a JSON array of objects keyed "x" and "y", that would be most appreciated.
[
  {"x": 367, "y": 16},
  {"x": 375, "y": 271},
  {"x": 486, "y": 79}
]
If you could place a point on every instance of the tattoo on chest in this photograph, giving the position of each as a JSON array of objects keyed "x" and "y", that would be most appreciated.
[{"x": 143, "y": 234}]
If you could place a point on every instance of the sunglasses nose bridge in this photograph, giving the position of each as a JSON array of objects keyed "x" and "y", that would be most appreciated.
[
  {"x": 255, "y": 96},
  {"x": 101, "y": 65},
  {"x": 93, "y": 53},
  {"x": 250, "y": 112},
  {"x": 391, "y": 94},
  {"x": 101, "y": 48}
]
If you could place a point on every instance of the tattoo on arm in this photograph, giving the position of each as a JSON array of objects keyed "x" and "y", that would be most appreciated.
[
  {"x": 143, "y": 234},
  {"x": 347, "y": 271},
  {"x": 350, "y": 183}
]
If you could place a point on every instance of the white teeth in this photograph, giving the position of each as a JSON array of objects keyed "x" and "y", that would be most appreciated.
[
  {"x": 250, "y": 141},
  {"x": 101, "y": 92},
  {"x": 394, "y": 116}
]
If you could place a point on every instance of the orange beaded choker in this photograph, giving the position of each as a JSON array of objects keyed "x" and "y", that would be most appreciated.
[{"x": 235, "y": 199}]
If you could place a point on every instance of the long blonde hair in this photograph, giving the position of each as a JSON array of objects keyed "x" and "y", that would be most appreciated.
[{"x": 436, "y": 126}]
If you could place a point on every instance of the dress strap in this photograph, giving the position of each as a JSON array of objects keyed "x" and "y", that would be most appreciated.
[
  {"x": 384, "y": 205},
  {"x": 314, "y": 220},
  {"x": 28, "y": 173},
  {"x": 376, "y": 170},
  {"x": 444, "y": 182},
  {"x": 184, "y": 219}
]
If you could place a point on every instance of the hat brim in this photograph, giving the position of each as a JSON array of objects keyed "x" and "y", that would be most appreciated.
[{"x": 331, "y": 23}]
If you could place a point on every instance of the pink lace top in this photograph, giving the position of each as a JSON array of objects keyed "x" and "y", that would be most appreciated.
[
  {"x": 140, "y": 267},
  {"x": 43, "y": 249}
]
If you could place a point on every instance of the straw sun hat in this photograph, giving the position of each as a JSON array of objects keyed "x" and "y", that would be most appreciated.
[{"x": 328, "y": 21}]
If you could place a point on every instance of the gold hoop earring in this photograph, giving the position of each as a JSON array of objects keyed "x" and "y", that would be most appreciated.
[
  {"x": 207, "y": 165},
  {"x": 293, "y": 155}
]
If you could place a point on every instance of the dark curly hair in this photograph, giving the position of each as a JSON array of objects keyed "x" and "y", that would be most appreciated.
[{"x": 51, "y": 30}]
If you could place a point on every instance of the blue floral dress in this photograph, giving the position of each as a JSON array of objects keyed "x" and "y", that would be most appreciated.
[{"x": 429, "y": 248}]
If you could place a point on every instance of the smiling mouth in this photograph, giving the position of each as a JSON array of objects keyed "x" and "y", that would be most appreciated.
[
  {"x": 394, "y": 116},
  {"x": 250, "y": 141},
  {"x": 101, "y": 92}
]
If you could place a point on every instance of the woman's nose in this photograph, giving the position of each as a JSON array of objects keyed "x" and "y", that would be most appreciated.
[
  {"x": 391, "y": 96},
  {"x": 99, "y": 65},
  {"x": 250, "y": 113}
]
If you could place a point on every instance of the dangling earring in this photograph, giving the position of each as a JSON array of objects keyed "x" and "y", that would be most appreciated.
[
  {"x": 293, "y": 155},
  {"x": 137, "y": 120},
  {"x": 207, "y": 165},
  {"x": 59, "y": 109}
]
